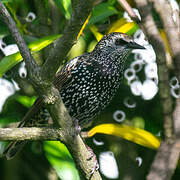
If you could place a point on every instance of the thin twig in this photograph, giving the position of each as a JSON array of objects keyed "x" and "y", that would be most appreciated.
[
  {"x": 129, "y": 10},
  {"x": 81, "y": 10},
  {"x": 30, "y": 63}
]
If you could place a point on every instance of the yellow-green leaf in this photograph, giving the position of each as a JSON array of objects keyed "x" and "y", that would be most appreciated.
[
  {"x": 43, "y": 42},
  {"x": 9, "y": 61},
  {"x": 26, "y": 100},
  {"x": 97, "y": 34},
  {"x": 166, "y": 42},
  {"x": 120, "y": 25},
  {"x": 91, "y": 45},
  {"x": 77, "y": 49},
  {"x": 136, "y": 135},
  {"x": 84, "y": 25},
  {"x": 65, "y": 7},
  {"x": 123, "y": 26},
  {"x": 61, "y": 160},
  {"x": 102, "y": 11}
]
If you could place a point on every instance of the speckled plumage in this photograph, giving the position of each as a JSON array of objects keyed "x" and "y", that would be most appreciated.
[
  {"x": 88, "y": 82},
  {"x": 95, "y": 77}
]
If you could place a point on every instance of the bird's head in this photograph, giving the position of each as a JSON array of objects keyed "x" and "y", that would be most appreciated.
[
  {"x": 115, "y": 47},
  {"x": 118, "y": 42}
]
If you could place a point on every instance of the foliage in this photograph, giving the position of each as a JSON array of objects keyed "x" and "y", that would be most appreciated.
[
  {"x": 106, "y": 17},
  {"x": 59, "y": 157}
]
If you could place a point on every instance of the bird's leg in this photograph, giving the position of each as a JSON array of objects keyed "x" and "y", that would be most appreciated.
[
  {"x": 76, "y": 125},
  {"x": 92, "y": 157}
]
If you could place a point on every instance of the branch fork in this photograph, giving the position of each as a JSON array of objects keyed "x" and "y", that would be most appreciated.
[{"x": 42, "y": 77}]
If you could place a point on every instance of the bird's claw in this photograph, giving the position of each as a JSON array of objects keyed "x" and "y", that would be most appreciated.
[
  {"x": 77, "y": 127},
  {"x": 93, "y": 157},
  {"x": 95, "y": 168}
]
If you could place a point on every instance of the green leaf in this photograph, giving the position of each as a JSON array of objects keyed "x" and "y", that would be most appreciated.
[
  {"x": 138, "y": 122},
  {"x": 5, "y": 120},
  {"x": 9, "y": 61},
  {"x": 121, "y": 25},
  {"x": 65, "y": 7},
  {"x": 3, "y": 29},
  {"x": 6, "y": 1},
  {"x": 26, "y": 100},
  {"x": 2, "y": 147},
  {"x": 101, "y": 12},
  {"x": 96, "y": 33},
  {"x": 60, "y": 158},
  {"x": 43, "y": 42},
  {"x": 12, "y": 110}
]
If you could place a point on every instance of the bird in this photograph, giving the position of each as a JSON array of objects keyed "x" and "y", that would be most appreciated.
[{"x": 86, "y": 84}]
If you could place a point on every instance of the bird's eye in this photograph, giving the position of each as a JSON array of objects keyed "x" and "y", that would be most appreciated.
[{"x": 120, "y": 42}]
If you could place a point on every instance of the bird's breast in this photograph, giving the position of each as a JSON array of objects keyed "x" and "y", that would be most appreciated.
[{"x": 90, "y": 91}]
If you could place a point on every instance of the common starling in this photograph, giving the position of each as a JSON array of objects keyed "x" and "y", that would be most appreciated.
[{"x": 87, "y": 83}]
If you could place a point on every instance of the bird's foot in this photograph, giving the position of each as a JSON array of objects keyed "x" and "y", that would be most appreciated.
[
  {"x": 92, "y": 157},
  {"x": 77, "y": 127}
]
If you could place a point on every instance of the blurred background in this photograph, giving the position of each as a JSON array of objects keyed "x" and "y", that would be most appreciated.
[{"x": 137, "y": 102}]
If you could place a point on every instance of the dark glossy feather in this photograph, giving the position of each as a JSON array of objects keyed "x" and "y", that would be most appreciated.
[{"x": 86, "y": 84}]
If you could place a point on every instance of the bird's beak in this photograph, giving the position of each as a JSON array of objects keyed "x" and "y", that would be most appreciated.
[{"x": 134, "y": 45}]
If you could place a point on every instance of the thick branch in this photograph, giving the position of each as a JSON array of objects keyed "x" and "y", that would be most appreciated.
[
  {"x": 172, "y": 33},
  {"x": 30, "y": 63},
  {"x": 81, "y": 10},
  {"x": 167, "y": 156},
  {"x": 154, "y": 37},
  {"x": 165, "y": 161},
  {"x": 31, "y": 133},
  {"x": 171, "y": 30},
  {"x": 176, "y": 117},
  {"x": 42, "y": 82},
  {"x": 73, "y": 141}
]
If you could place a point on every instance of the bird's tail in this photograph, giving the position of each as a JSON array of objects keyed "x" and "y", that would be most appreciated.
[{"x": 13, "y": 148}]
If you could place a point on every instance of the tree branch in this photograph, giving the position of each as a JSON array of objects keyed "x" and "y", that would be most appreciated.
[
  {"x": 176, "y": 117},
  {"x": 165, "y": 161},
  {"x": 129, "y": 10},
  {"x": 31, "y": 133},
  {"x": 42, "y": 81},
  {"x": 30, "y": 63},
  {"x": 80, "y": 153},
  {"x": 81, "y": 10},
  {"x": 171, "y": 30},
  {"x": 167, "y": 156},
  {"x": 155, "y": 39}
]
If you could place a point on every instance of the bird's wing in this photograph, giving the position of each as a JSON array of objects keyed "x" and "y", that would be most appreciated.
[
  {"x": 63, "y": 79},
  {"x": 65, "y": 76}
]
